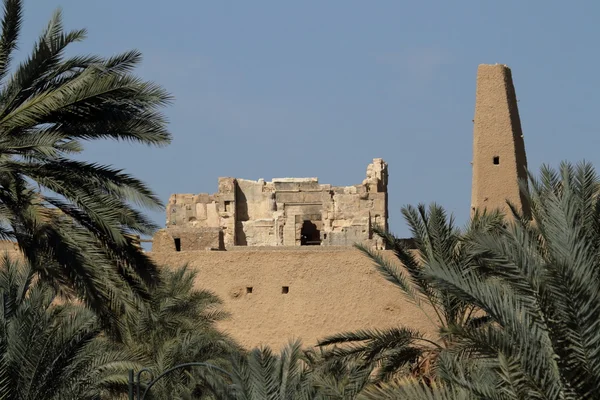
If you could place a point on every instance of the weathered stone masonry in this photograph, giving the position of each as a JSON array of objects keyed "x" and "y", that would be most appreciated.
[{"x": 283, "y": 212}]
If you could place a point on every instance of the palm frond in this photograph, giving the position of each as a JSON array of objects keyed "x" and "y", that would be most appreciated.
[{"x": 11, "y": 26}]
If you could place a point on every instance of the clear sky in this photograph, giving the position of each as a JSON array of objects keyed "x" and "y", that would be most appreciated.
[{"x": 309, "y": 88}]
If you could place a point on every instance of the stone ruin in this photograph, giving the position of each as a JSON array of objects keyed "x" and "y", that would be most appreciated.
[{"x": 283, "y": 212}]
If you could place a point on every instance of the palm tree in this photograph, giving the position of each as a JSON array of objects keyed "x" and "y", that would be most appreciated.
[
  {"x": 538, "y": 282},
  {"x": 74, "y": 220},
  {"x": 177, "y": 326},
  {"x": 263, "y": 374},
  {"x": 402, "y": 350},
  {"x": 337, "y": 379},
  {"x": 292, "y": 374},
  {"x": 53, "y": 351}
]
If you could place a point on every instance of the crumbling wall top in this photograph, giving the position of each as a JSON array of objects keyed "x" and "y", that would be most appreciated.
[
  {"x": 284, "y": 212},
  {"x": 295, "y": 180}
]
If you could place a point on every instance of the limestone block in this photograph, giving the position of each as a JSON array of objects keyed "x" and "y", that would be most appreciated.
[
  {"x": 260, "y": 232},
  {"x": 379, "y": 202},
  {"x": 350, "y": 190},
  {"x": 289, "y": 230},
  {"x": 309, "y": 186},
  {"x": 302, "y": 209},
  {"x": 176, "y": 214},
  {"x": 338, "y": 189},
  {"x": 182, "y": 198},
  {"x": 252, "y": 202},
  {"x": 228, "y": 237},
  {"x": 346, "y": 205},
  {"x": 222, "y": 197},
  {"x": 338, "y": 224},
  {"x": 202, "y": 198},
  {"x": 299, "y": 197},
  {"x": 295, "y": 183},
  {"x": 212, "y": 215},
  {"x": 362, "y": 218},
  {"x": 227, "y": 185},
  {"x": 201, "y": 211},
  {"x": 299, "y": 219},
  {"x": 162, "y": 241},
  {"x": 202, "y": 239},
  {"x": 365, "y": 204},
  {"x": 377, "y": 176},
  {"x": 190, "y": 212},
  {"x": 289, "y": 237},
  {"x": 168, "y": 240},
  {"x": 347, "y": 236}
]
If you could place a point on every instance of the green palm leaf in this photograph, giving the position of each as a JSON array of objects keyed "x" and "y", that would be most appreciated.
[{"x": 74, "y": 220}]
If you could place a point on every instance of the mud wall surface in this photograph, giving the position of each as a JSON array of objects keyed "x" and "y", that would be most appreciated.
[
  {"x": 277, "y": 294},
  {"x": 499, "y": 159}
]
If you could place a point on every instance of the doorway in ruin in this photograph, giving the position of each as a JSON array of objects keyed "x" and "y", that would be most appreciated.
[{"x": 309, "y": 234}]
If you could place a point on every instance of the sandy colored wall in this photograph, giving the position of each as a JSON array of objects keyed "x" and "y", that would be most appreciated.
[
  {"x": 499, "y": 159},
  {"x": 330, "y": 290}
]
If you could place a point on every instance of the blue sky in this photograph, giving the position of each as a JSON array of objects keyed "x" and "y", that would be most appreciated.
[{"x": 269, "y": 89}]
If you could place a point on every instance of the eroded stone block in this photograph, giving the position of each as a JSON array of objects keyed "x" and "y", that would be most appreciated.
[{"x": 185, "y": 239}]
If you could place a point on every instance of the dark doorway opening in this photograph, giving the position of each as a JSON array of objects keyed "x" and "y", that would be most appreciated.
[
  {"x": 310, "y": 235},
  {"x": 177, "y": 244}
]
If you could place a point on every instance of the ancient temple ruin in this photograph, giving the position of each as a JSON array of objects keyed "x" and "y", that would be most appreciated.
[{"x": 283, "y": 212}]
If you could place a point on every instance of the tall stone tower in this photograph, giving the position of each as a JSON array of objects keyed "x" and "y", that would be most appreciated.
[{"x": 499, "y": 159}]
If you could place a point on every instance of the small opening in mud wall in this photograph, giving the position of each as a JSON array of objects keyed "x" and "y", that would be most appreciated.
[
  {"x": 177, "y": 244},
  {"x": 285, "y": 289},
  {"x": 496, "y": 160},
  {"x": 227, "y": 206},
  {"x": 310, "y": 235},
  {"x": 249, "y": 289}
]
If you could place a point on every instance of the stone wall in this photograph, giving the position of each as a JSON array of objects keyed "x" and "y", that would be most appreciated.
[
  {"x": 186, "y": 239},
  {"x": 284, "y": 212}
]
